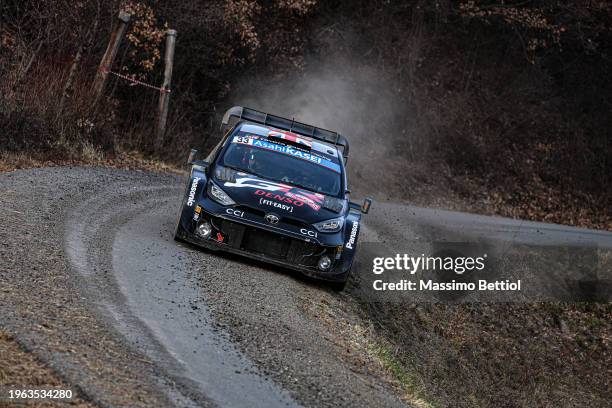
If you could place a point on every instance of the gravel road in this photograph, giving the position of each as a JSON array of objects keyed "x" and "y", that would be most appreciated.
[{"x": 94, "y": 285}]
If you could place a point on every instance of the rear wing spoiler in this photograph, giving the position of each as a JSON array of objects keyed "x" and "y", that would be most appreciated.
[{"x": 255, "y": 116}]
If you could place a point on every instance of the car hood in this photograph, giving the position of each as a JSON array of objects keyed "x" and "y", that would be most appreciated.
[{"x": 281, "y": 199}]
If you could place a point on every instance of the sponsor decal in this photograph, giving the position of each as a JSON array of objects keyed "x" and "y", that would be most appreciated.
[
  {"x": 291, "y": 137},
  {"x": 197, "y": 212},
  {"x": 274, "y": 204},
  {"x": 303, "y": 197},
  {"x": 192, "y": 191},
  {"x": 339, "y": 251},
  {"x": 280, "y": 201},
  {"x": 308, "y": 232},
  {"x": 234, "y": 212},
  {"x": 257, "y": 183},
  {"x": 256, "y": 130},
  {"x": 353, "y": 235},
  {"x": 288, "y": 150},
  {"x": 284, "y": 193}
]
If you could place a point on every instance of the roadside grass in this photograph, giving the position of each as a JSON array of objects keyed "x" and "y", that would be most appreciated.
[
  {"x": 91, "y": 152},
  {"x": 365, "y": 351},
  {"x": 21, "y": 369},
  {"x": 88, "y": 155},
  {"x": 407, "y": 381},
  {"x": 486, "y": 354},
  {"x": 474, "y": 355}
]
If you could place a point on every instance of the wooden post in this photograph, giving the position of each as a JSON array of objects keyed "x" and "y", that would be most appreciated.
[
  {"x": 164, "y": 97},
  {"x": 109, "y": 55},
  {"x": 69, "y": 86}
]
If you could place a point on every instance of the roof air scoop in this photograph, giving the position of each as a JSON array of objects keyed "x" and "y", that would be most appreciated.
[{"x": 290, "y": 125}]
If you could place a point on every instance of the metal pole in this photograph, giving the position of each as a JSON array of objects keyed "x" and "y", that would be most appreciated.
[
  {"x": 164, "y": 97},
  {"x": 109, "y": 56}
]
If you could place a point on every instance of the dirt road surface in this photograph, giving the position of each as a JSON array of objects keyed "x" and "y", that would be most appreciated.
[{"x": 94, "y": 285}]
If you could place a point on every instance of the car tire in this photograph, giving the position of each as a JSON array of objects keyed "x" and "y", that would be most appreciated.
[
  {"x": 177, "y": 235},
  {"x": 177, "y": 231}
]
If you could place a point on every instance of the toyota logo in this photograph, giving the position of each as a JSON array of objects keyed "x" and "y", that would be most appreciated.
[{"x": 272, "y": 219}]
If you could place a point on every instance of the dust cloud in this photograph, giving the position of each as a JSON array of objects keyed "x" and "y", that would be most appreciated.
[{"x": 353, "y": 101}]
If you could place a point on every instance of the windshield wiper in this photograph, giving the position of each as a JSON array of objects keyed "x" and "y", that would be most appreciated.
[
  {"x": 273, "y": 179},
  {"x": 300, "y": 186},
  {"x": 251, "y": 172},
  {"x": 235, "y": 168}
]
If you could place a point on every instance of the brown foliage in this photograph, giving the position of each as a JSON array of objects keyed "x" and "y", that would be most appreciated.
[
  {"x": 507, "y": 101},
  {"x": 145, "y": 37}
]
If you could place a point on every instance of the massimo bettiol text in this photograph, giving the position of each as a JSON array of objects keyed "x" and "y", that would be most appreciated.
[{"x": 452, "y": 266}]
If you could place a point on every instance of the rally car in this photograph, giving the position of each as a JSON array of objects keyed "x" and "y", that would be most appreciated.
[{"x": 275, "y": 190}]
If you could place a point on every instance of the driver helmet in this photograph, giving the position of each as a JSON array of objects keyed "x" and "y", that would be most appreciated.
[{"x": 252, "y": 161}]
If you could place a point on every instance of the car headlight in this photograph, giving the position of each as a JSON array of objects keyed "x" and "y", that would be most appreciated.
[
  {"x": 215, "y": 192},
  {"x": 332, "y": 225}
]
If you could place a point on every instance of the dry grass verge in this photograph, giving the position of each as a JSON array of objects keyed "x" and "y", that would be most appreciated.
[
  {"x": 131, "y": 160},
  {"x": 23, "y": 370},
  {"x": 475, "y": 355}
]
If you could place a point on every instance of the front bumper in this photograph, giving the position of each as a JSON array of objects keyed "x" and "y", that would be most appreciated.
[{"x": 270, "y": 247}]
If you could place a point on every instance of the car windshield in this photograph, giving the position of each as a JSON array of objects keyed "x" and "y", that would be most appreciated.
[{"x": 281, "y": 167}]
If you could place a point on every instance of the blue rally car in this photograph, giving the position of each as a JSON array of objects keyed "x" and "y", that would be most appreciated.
[{"x": 274, "y": 190}]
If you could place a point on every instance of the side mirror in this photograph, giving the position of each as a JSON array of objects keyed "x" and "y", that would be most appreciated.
[
  {"x": 365, "y": 207},
  {"x": 192, "y": 156},
  {"x": 193, "y": 160}
]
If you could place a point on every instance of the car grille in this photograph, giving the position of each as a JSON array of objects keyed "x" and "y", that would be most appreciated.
[
  {"x": 283, "y": 218},
  {"x": 269, "y": 244}
]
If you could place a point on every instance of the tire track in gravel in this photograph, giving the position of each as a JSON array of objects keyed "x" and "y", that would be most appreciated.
[
  {"x": 121, "y": 297},
  {"x": 162, "y": 297},
  {"x": 120, "y": 241},
  {"x": 211, "y": 329}
]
